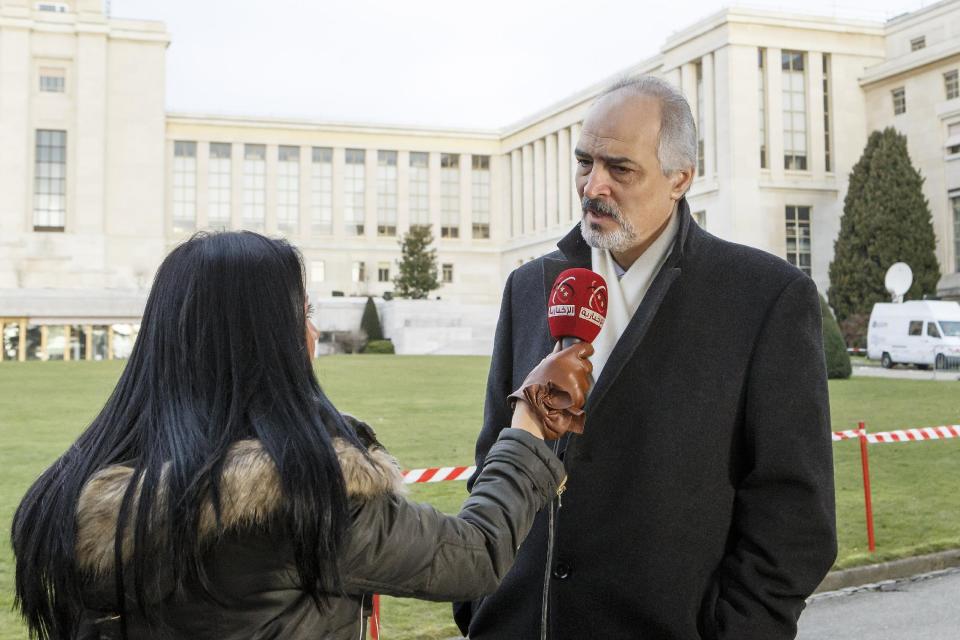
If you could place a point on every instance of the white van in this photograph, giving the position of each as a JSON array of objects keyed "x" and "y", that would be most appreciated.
[{"x": 920, "y": 332}]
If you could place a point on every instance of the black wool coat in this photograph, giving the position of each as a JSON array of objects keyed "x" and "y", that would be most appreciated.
[{"x": 700, "y": 500}]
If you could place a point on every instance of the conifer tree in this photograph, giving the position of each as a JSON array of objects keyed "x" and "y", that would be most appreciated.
[
  {"x": 417, "y": 275},
  {"x": 886, "y": 219},
  {"x": 834, "y": 348},
  {"x": 370, "y": 322}
]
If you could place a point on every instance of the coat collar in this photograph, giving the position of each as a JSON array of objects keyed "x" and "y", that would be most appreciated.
[
  {"x": 250, "y": 496},
  {"x": 575, "y": 252}
]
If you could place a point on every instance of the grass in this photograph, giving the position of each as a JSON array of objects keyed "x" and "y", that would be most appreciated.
[{"x": 428, "y": 410}]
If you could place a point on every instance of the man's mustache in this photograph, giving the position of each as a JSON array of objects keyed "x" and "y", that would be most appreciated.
[{"x": 601, "y": 207}]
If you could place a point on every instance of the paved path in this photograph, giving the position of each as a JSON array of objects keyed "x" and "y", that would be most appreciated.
[
  {"x": 921, "y": 608},
  {"x": 905, "y": 374}
]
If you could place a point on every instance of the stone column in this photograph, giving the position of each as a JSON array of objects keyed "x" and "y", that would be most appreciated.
[
  {"x": 576, "y": 212},
  {"x": 236, "y": 185},
  {"x": 306, "y": 192},
  {"x": 528, "y": 189},
  {"x": 466, "y": 200},
  {"x": 339, "y": 166},
  {"x": 816, "y": 162},
  {"x": 516, "y": 193},
  {"x": 370, "y": 216},
  {"x": 539, "y": 186},
  {"x": 202, "y": 205},
  {"x": 774, "y": 80},
  {"x": 709, "y": 118},
  {"x": 270, "y": 218},
  {"x": 564, "y": 175},
  {"x": 403, "y": 193},
  {"x": 552, "y": 207}
]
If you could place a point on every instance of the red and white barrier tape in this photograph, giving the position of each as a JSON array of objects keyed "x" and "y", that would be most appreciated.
[
  {"x": 902, "y": 435},
  {"x": 437, "y": 474},
  {"x": 443, "y": 474}
]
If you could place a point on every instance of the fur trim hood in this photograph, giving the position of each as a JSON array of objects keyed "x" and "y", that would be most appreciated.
[{"x": 251, "y": 494}]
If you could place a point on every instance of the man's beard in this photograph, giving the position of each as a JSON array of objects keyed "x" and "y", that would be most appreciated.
[{"x": 620, "y": 239}]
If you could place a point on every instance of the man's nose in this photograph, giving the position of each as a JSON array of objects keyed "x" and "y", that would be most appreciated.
[{"x": 597, "y": 183}]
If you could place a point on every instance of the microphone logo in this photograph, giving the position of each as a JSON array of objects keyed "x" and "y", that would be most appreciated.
[{"x": 577, "y": 304}]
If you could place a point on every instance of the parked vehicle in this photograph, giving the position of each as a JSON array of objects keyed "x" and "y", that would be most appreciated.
[{"x": 920, "y": 332}]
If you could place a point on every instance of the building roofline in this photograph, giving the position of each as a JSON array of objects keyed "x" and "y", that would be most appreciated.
[
  {"x": 897, "y": 22},
  {"x": 797, "y": 19},
  {"x": 902, "y": 64},
  {"x": 587, "y": 93},
  {"x": 236, "y": 120}
]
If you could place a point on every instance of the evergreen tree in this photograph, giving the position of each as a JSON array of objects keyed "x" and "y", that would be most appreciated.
[
  {"x": 834, "y": 348},
  {"x": 370, "y": 322},
  {"x": 886, "y": 219},
  {"x": 417, "y": 275}
]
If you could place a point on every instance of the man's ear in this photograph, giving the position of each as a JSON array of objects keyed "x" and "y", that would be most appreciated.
[{"x": 680, "y": 182}]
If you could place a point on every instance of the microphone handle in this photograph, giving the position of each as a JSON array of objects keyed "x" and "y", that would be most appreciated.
[{"x": 567, "y": 341}]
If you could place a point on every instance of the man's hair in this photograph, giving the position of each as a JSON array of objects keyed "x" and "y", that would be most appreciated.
[{"x": 677, "y": 144}]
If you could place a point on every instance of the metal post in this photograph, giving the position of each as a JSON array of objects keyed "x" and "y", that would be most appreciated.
[{"x": 868, "y": 503}]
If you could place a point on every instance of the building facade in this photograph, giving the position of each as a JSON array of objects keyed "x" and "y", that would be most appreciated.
[{"x": 98, "y": 181}]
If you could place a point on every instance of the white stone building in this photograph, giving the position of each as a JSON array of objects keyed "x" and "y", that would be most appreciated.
[{"x": 98, "y": 182}]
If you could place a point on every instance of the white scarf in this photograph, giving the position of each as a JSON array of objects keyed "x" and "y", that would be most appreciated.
[{"x": 625, "y": 290}]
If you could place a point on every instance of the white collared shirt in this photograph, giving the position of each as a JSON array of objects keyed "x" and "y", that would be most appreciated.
[{"x": 626, "y": 288}]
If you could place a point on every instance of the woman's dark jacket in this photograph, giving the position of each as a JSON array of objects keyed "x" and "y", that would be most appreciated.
[{"x": 395, "y": 546}]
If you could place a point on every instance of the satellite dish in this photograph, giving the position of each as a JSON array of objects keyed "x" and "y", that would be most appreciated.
[{"x": 898, "y": 280}]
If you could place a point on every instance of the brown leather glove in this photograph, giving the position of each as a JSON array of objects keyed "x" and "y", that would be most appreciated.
[{"x": 556, "y": 390}]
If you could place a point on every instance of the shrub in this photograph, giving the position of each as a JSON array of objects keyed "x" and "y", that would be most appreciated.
[
  {"x": 370, "y": 322},
  {"x": 834, "y": 348},
  {"x": 379, "y": 346}
]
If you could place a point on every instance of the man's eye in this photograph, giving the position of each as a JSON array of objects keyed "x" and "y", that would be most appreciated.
[
  {"x": 618, "y": 169},
  {"x": 583, "y": 162}
]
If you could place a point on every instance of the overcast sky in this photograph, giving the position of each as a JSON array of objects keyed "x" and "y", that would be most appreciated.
[{"x": 479, "y": 64}]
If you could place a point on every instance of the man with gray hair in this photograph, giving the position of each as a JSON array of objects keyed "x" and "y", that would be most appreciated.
[{"x": 700, "y": 501}]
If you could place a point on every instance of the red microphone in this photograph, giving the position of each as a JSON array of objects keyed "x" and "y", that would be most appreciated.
[{"x": 577, "y": 306}]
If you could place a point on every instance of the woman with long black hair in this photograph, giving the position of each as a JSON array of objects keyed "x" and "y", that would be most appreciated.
[{"x": 219, "y": 493}]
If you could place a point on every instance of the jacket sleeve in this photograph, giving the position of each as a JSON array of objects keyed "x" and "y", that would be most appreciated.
[
  {"x": 402, "y": 548},
  {"x": 784, "y": 528}
]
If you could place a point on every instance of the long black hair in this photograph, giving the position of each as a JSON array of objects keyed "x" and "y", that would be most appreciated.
[{"x": 221, "y": 356}]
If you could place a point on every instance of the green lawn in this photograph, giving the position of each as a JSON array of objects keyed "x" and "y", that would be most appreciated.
[{"x": 428, "y": 410}]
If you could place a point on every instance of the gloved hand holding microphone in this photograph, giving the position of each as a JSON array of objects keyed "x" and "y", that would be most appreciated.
[{"x": 550, "y": 400}]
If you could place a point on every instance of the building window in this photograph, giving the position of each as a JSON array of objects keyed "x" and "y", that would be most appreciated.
[
  {"x": 288, "y": 189},
  {"x": 449, "y": 195},
  {"x": 762, "y": 99},
  {"x": 700, "y": 144},
  {"x": 358, "y": 271},
  {"x": 321, "y": 187},
  {"x": 219, "y": 185},
  {"x": 419, "y": 189},
  {"x": 827, "y": 158},
  {"x": 254, "y": 186},
  {"x": 184, "y": 186},
  {"x": 951, "y": 84},
  {"x": 52, "y": 80},
  {"x": 386, "y": 193},
  {"x": 798, "y": 237},
  {"x": 700, "y": 217},
  {"x": 794, "y": 111},
  {"x": 480, "y": 194},
  {"x": 955, "y": 204},
  {"x": 383, "y": 272},
  {"x": 447, "y": 272},
  {"x": 50, "y": 181},
  {"x": 899, "y": 101},
  {"x": 354, "y": 191},
  {"x": 318, "y": 271},
  {"x": 918, "y": 43}
]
